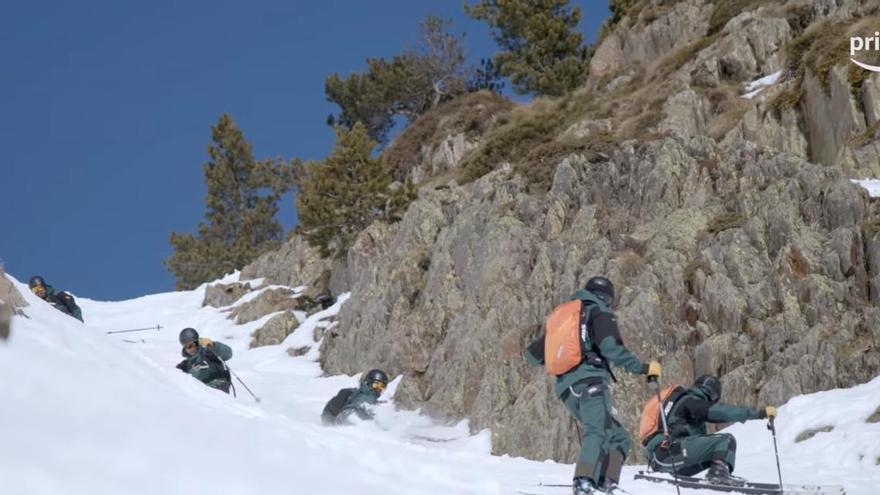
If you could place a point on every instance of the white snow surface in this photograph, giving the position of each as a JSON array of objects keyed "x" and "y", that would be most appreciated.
[
  {"x": 758, "y": 85},
  {"x": 88, "y": 413},
  {"x": 870, "y": 185}
]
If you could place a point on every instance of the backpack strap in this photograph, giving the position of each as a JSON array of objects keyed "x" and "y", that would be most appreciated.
[
  {"x": 671, "y": 402},
  {"x": 592, "y": 354}
]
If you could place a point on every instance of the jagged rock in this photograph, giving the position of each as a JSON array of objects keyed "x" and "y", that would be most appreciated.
[
  {"x": 442, "y": 156},
  {"x": 830, "y": 115},
  {"x": 317, "y": 295},
  {"x": 10, "y": 302},
  {"x": 221, "y": 295},
  {"x": 751, "y": 47},
  {"x": 294, "y": 264},
  {"x": 684, "y": 23},
  {"x": 298, "y": 351},
  {"x": 685, "y": 112},
  {"x": 9, "y": 293},
  {"x": 270, "y": 301},
  {"x": 608, "y": 57},
  {"x": 5, "y": 319},
  {"x": 275, "y": 330}
]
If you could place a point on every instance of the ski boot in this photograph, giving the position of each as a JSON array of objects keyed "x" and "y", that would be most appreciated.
[
  {"x": 585, "y": 486},
  {"x": 611, "y": 488},
  {"x": 719, "y": 474}
]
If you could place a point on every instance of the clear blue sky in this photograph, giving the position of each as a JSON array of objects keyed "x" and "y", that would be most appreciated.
[{"x": 106, "y": 107}]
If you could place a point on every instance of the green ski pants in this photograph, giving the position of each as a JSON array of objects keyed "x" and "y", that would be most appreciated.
[
  {"x": 605, "y": 443},
  {"x": 694, "y": 454}
]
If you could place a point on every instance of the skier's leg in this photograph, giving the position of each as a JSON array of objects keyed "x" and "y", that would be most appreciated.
[
  {"x": 588, "y": 403},
  {"x": 691, "y": 455},
  {"x": 725, "y": 450},
  {"x": 618, "y": 446}
]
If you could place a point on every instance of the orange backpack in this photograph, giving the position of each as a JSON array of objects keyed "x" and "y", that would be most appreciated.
[
  {"x": 562, "y": 340},
  {"x": 650, "y": 422}
]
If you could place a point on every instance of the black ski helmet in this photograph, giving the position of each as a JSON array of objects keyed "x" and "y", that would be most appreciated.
[
  {"x": 709, "y": 385},
  {"x": 188, "y": 335},
  {"x": 603, "y": 288},
  {"x": 375, "y": 376},
  {"x": 36, "y": 281}
]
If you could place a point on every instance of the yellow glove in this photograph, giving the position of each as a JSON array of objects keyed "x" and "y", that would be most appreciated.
[
  {"x": 654, "y": 370},
  {"x": 769, "y": 412},
  {"x": 205, "y": 342}
]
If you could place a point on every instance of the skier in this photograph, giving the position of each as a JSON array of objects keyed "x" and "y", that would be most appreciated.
[
  {"x": 689, "y": 447},
  {"x": 62, "y": 301},
  {"x": 205, "y": 360},
  {"x": 584, "y": 388},
  {"x": 355, "y": 400}
]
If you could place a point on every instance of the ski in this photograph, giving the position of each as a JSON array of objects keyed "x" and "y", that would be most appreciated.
[
  {"x": 617, "y": 491},
  {"x": 747, "y": 487}
]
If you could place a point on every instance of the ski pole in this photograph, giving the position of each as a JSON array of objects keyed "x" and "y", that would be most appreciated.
[
  {"x": 156, "y": 328},
  {"x": 227, "y": 368},
  {"x": 666, "y": 432},
  {"x": 772, "y": 427},
  {"x": 245, "y": 385}
]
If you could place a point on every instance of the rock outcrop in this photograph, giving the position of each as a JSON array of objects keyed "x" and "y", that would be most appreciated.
[
  {"x": 222, "y": 295},
  {"x": 267, "y": 302},
  {"x": 275, "y": 330},
  {"x": 296, "y": 264}
]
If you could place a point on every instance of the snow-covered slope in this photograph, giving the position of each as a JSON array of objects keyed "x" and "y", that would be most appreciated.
[{"x": 88, "y": 413}]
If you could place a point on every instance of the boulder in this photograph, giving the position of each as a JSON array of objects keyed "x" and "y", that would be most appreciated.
[
  {"x": 275, "y": 330},
  {"x": 268, "y": 302},
  {"x": 222, "y": 295}
]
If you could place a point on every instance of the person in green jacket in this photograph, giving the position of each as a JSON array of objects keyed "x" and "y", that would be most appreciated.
[
  {"x": 690, "y": 449},
  {"x": 60, "y": 300},
  {"x": 355, "y": 400},
  {"x": 205, "y": 360},
  {"x": 585, "y": 390}
]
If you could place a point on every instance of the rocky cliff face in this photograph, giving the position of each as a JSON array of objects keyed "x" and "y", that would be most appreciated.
[
  {"x": 738, "y": 242},
  {"x": 750, "y": 265}
]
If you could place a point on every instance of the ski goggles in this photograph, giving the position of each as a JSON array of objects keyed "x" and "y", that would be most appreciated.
[
  {"x": 38, "y": 290},
  {"x": 378, "y": 386},
  {"x": 191, "y": 346}
]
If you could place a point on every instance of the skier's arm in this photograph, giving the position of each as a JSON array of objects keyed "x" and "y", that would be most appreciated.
[
  {"x": 698, "y": 409},
  {"x": 68, "y": 301},
  {"x": 611, "y": 346},
  {"x": 534, "y": 353},
  {"x": 222, "y": 351},
  {"x": 358, "y": 405},
  {"x": 724, "y": 413},
  {"x": 364, "y": 412}
]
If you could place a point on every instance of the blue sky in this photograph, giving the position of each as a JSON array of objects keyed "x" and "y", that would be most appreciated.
[{"x": 106, "y": 111}]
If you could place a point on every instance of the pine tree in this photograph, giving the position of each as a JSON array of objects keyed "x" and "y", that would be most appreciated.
[
  {"x": 343, "y": 194},
  {"x": 542, "y": 52},
  {"x": 406, "y": 85},
  {"x": 242, "y": 201}
]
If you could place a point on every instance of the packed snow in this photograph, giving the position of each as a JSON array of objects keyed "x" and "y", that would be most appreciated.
[
  {"x": 95, "y": 414},
  {"x": 758, "y": 85}
]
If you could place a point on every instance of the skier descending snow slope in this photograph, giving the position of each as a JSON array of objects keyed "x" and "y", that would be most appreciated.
[{"x": 88, "y": 413}]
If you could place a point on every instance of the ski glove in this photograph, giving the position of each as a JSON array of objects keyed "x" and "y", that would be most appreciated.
[
  {"x": 767, "y": 412},
  {"x": 183, "y": 366},
  {"x": 653, "y": 370}
]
